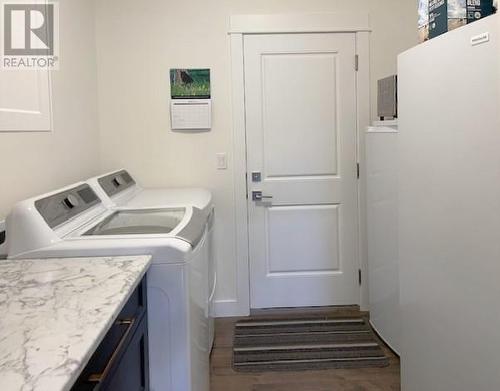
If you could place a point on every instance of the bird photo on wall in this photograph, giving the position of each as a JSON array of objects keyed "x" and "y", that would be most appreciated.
[{"x": 190, "y": 83}]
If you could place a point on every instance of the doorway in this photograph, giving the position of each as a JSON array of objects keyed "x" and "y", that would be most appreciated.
[
  {"x": 300, "y": 105},
  {"x": 313, "y": 191}
]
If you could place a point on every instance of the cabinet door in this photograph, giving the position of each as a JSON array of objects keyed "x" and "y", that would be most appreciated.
[
  {"x": 132, "y": 372},
  {"x": 25, "y": 101}
]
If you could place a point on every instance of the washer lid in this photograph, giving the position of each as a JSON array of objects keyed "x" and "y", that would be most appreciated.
[
  {"x": 162, "y": 221},
  {"x": 193, "y": 231},
  {"x": 138, "y": 222}
]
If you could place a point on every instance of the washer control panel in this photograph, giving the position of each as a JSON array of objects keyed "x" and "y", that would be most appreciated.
[
  {"x": 59, "y": 208},
  {"x": 116, "y": 182},
  {"x": 71, "y": 201}
]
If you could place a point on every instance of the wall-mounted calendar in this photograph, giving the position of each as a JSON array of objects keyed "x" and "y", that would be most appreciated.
[
  {"x": 191, "y": 114},
  {"x": 191, "y": 105}
]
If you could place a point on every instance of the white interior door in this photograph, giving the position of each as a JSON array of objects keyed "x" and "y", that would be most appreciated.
[{"x": 300, "y": 94}]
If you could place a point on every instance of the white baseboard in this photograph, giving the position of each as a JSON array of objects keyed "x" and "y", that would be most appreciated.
[{"x": 228, "y": 308}]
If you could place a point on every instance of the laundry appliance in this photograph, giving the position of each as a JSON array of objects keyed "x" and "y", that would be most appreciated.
[
  {"x": 119, "y": 189},
  {"x": 74, "y": 222},
  {"x": 381, "y": 142}
]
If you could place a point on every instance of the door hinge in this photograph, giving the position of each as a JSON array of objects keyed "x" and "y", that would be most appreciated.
[
  {"x": 356, "y": 62},
  {"x": 359, "y": 276},
  {"x": 357, "y": 170}
]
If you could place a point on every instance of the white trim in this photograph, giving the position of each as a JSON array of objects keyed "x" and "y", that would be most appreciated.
[
  {"x": 228, "y": 308},
  {"x": 242, "y": 306},
  {"x": 251, "y": 24},
  {"x": 363, "y": 121},
  {"x": 299, "y": 23}
]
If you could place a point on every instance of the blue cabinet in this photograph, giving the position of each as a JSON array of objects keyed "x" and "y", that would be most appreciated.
[{"x": 120, "y": 363}]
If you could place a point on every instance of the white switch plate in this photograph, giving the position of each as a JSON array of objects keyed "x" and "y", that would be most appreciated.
[{"x": 221, "y": 160}]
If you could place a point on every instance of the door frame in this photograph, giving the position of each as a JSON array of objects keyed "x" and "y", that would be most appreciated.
[{"x": 241, "y": 25}]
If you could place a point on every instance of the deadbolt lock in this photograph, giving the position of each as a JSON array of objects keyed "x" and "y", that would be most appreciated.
[{"x": 256, "y": 177}]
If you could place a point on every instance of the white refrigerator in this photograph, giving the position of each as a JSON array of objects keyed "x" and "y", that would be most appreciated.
[{"x": 449, "y": 210}]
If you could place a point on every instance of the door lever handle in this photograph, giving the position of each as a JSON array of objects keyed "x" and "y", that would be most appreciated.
[{"x": 258, "y": 196}]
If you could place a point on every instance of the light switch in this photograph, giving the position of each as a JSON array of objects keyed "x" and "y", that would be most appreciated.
[{"x": 221, "y": 161}]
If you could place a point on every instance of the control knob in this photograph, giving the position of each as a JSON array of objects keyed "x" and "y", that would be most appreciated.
[{"x": 71, "y": 201}]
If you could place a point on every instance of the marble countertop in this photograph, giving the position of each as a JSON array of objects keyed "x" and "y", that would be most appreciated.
[{"x": 55, "y": 312}]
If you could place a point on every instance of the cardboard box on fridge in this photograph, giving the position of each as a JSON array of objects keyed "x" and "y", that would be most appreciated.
[
  {"x": 437, "y": 17},
  {"x": 423, "y": 20},
  {"x": 446, "y": 15}
]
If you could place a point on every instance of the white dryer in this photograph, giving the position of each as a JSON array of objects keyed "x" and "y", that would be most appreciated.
[
  {"x": 119, "y": 189},
  {"x": 74, "y": 222}
]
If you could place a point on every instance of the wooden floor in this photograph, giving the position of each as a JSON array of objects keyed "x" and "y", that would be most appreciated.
[{"x": 223, "y": 378}]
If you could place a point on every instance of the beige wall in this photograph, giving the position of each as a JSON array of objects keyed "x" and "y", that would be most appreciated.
[
  {"x": 139, "y": 41},
  {"x": 32, "y": 163}
]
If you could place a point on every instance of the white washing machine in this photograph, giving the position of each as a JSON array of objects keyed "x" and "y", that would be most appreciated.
[
  {"x": 74, "y": 222},
  {"x": 119, "y": 189}
]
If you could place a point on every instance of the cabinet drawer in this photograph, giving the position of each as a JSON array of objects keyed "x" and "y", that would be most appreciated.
[
  {"x": 132, "y": 372},
  {"x": 107, "y": 358}
]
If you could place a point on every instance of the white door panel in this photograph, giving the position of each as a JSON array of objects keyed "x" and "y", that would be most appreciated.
[
  {"x": 301, "y": 137},
  {"x": 284, "y": 94},
  {"x": 25, "y": 100},
  {"x": 292, "y": 226}
]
